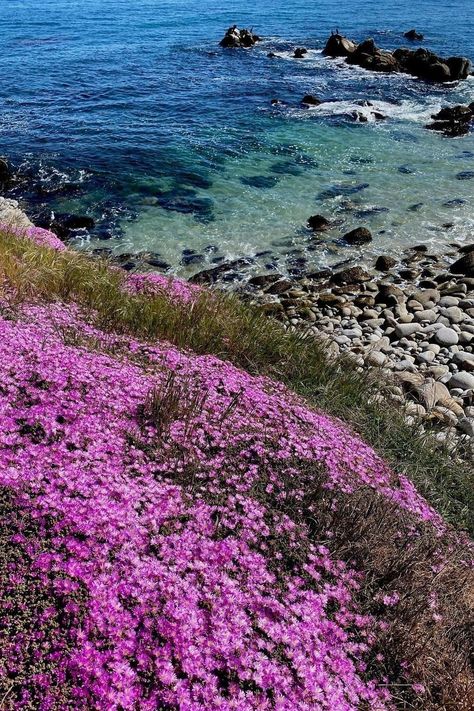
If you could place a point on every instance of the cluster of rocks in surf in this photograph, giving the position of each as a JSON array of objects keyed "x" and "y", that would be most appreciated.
[
  {"x": 453, "y": 121},
  {"x": 413, "y": 320},
  {"x": 235, "y": 38},
  {"x": 421, "y": 63}
]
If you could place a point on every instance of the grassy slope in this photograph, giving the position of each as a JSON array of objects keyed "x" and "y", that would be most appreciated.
[
  {"x": 369, "y": 532},
  {"x": 223, "y": 326}
]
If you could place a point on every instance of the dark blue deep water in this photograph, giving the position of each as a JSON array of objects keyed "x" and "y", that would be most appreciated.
[{"x": 128, "y": 110}]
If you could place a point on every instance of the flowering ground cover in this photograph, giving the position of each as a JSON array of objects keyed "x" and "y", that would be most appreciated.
[{"x": 176, "y": 533}]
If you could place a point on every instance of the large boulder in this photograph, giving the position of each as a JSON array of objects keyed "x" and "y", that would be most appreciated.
[
  {"x": 368, "y": 56},
  {"x": 351, "y": 275},
  {"x": 339, "y": 46},
  {"x": 460, "y": 68},
  {"x": 361, "y": 235},
  {"x": 464, "y": 265},
  {"x": 235, "y": 38}
]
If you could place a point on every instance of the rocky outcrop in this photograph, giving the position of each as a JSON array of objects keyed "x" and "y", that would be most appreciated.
[
  {"x": 453, "y": 121},
  {"x": 235, "y": 38},
  {"x": 368, "y": 56},
  {"x": 414, "y": 36},
  {"x": 339, "y": 46},
  {"x": 429, "y": 66},
  {"x": 300, "y": 53},
  {"x": 310, "y": 100},
  {"x": 420, "y": 63}
]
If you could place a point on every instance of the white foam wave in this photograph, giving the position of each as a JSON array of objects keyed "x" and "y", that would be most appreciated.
[{"x": 406, "y": 110}]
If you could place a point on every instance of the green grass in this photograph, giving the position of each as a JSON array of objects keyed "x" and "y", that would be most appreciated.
[{"x": 224, "y": 326}]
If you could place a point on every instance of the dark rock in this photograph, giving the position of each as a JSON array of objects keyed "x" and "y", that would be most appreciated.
[
  {"x": 465, "y": 175},
  {"x": 414, "y": 36},
  {"x": 311, "y": 100},
  {"x": 384, "y": 263},
  {"x": 378, "y": 116},
  {"x": 219, "y": 273},
  {"x": 368, "y": 56},
  {"x": 464, "y": 265},
  {"x": 262, "y": 280},
  {"x": 5, "y": 171},
  {"x": 453, "y": 121},
  {"x": 466, "y": 248},
  {"x": 300, "y": 52},
  {"x": 420, "y": 63},
  {"x": 414, "y": 208},
  {"x": 189, "y": 259},
  {"x": 361, "y": 235},
  {"x": 339, "y": 46},
  {"x": 235, "y": 38},
  {"x": 352, "y": 275},
  {"x": 319, "y": 223},
  {"x": 453, "y": 129},
  {"x": 279, "y": 287},
  {"x": 64, "y": 224},
  {"x": 320, "y": 274},
  {"x": 460, "y": 68},
  {"x": 454, "y": 113},
  {"x": 271, "y": 55},
  {"x": 158, "y": 263},
  {"x": 389, "y": 294}
]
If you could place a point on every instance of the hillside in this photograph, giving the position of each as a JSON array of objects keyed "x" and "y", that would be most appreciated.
[{"x": 184, "y": 526}]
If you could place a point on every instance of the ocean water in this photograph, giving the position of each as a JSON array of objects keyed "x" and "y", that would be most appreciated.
[{"x": 128, "y": 111}]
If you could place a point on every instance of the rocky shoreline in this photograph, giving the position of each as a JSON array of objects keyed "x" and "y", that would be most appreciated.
[{"x": 412, "y": 320}]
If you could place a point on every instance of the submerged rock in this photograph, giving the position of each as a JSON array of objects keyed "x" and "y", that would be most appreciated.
[
  {"x": 259, "y": 181},
  {"x": 300, "y": 53},
  {"x": 318, "y": 223},
  {"x": 235, "y": 38}
]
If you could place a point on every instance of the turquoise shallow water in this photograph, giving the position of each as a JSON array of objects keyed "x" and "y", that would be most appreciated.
[{"x": 129, "y": 111}]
